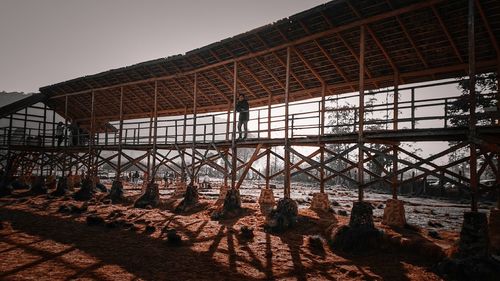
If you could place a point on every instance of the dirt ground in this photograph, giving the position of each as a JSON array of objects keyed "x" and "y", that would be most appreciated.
[{"x": 38, "y": 242}]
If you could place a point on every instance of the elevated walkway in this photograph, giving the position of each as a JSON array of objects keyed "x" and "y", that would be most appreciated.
[{"x": 490, "y": 134}]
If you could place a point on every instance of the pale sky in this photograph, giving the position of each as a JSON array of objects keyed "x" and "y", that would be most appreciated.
[{"x": 50, "y": 41}]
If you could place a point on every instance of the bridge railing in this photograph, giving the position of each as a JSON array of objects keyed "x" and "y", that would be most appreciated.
[{"x": 413, "y": 110}]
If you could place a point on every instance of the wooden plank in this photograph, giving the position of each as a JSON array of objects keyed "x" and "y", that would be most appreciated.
[{"x": 248, "y": 166}]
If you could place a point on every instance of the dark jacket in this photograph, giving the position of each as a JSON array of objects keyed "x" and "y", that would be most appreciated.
[{"x": 242, "y": 107}]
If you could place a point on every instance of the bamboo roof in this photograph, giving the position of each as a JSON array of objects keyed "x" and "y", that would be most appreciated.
[{"x": 419, "y": 40}]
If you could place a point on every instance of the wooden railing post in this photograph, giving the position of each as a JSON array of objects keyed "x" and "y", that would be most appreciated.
[
  {"x": 322, "y": 133},
  {"x": 258, "y": 124},
  {"x": 287, "y": 141},
  {"x": 413, "y": 108},
  {"x": 446, "y": 113},
  {"x": 120, "y": 135},
  {"x": 234, "y": 149},
  {"x": 195, "y": 90},
  {"x": 361, "y": 112},
  {"x": 155, "y": 132},
  {"x": 395, "y": 113},
  {"x": 213, "y": 127}
]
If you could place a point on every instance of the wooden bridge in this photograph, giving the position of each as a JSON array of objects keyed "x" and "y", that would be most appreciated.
[{"x": 179, "y": 110}]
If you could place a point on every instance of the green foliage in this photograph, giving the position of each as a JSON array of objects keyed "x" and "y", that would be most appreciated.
[{"x": 486, "y": 86}]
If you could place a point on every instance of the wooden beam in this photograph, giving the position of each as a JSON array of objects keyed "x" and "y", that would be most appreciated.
[
  {"x": 474, "y": 179},
  {"x": 208, "y": 81},
  {"x": 332, "y": 62},
  {"x": 361, "y": 111},
  {"x": 356, "y": 56},
  {"x": 234, "y": 149},
  {"x": 309, "y": 66},
  {"x": 447, "y": 33},
  {"x": 287, "y": 140},
  {"x": 195, "y": 95},
  {"x": 257, "y": 79},
  {"x": 183, "y": 90},
  {"x": 243, "y": 84},
  {"x": 375, "y": 38},
  {"x": 493, "y": 39},
  {"x": 263, "y": 66},
  {"x": 248, "y": 165},
  {"x": 172, "y": 94},
  {"x": 155, "y": 130},
  {"x": 335, "y": 87},
  {"x": 283, "y": 64},
  {"x": 215, "y": 87},
  {"x": 408, "y": 37},
  {"x": 120, "y": 136}
]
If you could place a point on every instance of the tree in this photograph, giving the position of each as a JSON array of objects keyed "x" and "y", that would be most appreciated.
[
  {"x": 459, "y": 109},
  {"x": 486, "y": 87},
  {"x": 341, "y": 120}
]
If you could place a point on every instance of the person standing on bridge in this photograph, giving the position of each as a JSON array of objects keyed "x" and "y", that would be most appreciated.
[
  {"x": 60, "y": 130},
  {"x": 243, "y": 108}
]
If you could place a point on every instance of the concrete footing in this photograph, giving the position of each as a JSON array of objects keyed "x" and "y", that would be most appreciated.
[
  {"x": 223, "y": 191},
  {"x": 266, "y": 200},
  {"x": 474, "y": 239},
  {"x": 74, "y": 181},
  {"x": 320, "y": 202},
  {"x": 361, "y": 215},
  {"x": 150, "y": 197},
  {"x": 283, "y": 216},
  {"x": 180, "y": 189},
  {"x": 51, "y": 182},
  {"x": 394, "y": 213},
  {"x": 473, "y": 260},
  {"x": 116, "y": 192},
  {"x": 360, "y": 235}
]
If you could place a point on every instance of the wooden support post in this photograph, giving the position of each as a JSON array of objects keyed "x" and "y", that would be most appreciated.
[
  {"x": 472, "y": 117},
  {"x": 25, "y": 122},
  {"x": 183, "y": 155},
  {"x": 43, "y": 135},
  {"x": 228, "y": 121},
  {"x": 395, "y": 115},
  {"x": 413, "y": 108},
  {"x": 149, "y": 168},
  {"x": 361, "y": 111},
  {"x": 258, "y": 124},
  {"x": 10, "y": 161},
  {"x": 53, "y": 128},
  {"x": 213, "y": 127},
  {"x": 322, "y": 147},
  {"x": 226, "y": 166},
  {"x": 65, "y": 132},
  {"x": 287, "y": 141},
  {"x": 155, "y": 131},
  {"x": 445, "y": 113},
  {"x": 249, "y": 165},
  {"x": 233, "y": 136},
  {"x": 193, "y": 147},
  {"x": 91, "y": 138},
  {"x": 268, "y": 156},
  {"x": 52, "y": 167},
  {"x": 120, "y": 135}
]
